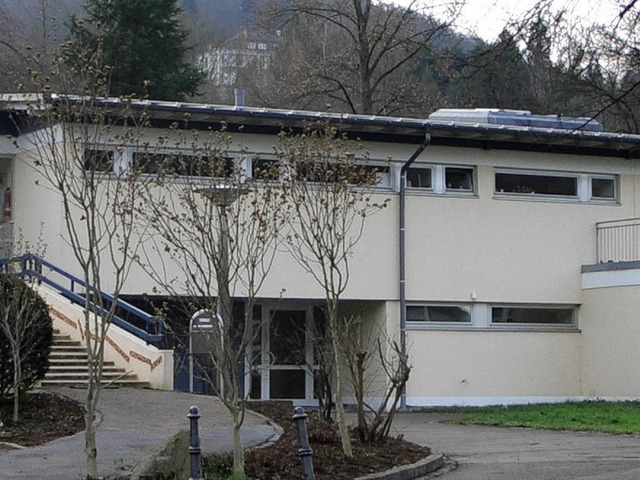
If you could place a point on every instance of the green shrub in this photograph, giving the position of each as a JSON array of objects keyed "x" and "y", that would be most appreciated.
[{"x": 21, "y": 308}]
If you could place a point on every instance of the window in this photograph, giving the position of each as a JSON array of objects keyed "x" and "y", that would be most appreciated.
[
  {"x": 486, "y": 316},
  {"x": 180, "y": 164},
  {"x": 265, "y": 168},
  {"x": 532, "y": 315},
  {"x": 458, "y": 179},
  {"x": 569, "y": 186},
  {"x": 349, "y": 173},
  {"x": 603, "y": 188},
  {"x": 439, "y": 313},
  {"x": 419, "y": 178},
  {"x": 98, "y": 160},
  {"x": 529, "y": 184},
  {"x": 381, "y": 173},
  {"x": 441, "y": 179}
]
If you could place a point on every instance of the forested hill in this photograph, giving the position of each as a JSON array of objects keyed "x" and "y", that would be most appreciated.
[{"x": 405, "y": 63}]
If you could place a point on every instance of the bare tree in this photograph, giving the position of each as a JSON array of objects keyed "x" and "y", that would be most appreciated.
[
  {"x": 221, "y": 231},
  {"x": 376, "y": 363},
  {"x": 330, "y": 187},
  {"x": 366, "y": 49},
  {"x": 77, "y": 152}
]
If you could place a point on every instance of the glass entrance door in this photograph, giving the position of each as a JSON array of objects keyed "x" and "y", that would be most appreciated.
[{"x": 286, "y": 357}]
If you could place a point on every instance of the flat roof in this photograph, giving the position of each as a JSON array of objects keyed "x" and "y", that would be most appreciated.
[{"x": 365, "y": 127}]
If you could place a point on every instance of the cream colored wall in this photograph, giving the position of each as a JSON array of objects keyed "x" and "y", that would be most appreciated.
[
  {"x": 372, "y": 328},
  {"x": 456, "y": 367},
  {"x": 506, "y": 250},
  {"x": 609, "y": 320},
  {"x": 503, "y": 250}
]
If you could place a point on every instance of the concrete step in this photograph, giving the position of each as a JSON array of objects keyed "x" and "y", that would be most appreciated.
[
  {"x": 65, "y": 342},
  {"x": 83, "y": 376},
  {"x": 56, "y": 347},
  {"x": 81, "y": 368},
  {"x": 68, "y": 366},
  {"x": 71, "y": 362},
  {"x": 119, "y": 383}
]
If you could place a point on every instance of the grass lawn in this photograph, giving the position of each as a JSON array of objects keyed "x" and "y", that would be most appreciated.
[{"x": 608, "y": 417}]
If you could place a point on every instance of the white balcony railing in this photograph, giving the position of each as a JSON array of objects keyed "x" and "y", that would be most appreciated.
[{"x": 618, "y": 240}]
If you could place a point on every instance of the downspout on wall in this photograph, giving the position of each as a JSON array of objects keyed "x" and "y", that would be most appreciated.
[{"x": 402, "y": 253}]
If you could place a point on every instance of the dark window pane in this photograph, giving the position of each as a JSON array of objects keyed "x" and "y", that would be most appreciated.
[
  {"x": 288, "y": 337},
  {"x": 98, "y": 160},
  {"x": 437, "y": 313},
  {"x": 603, "y": 188},
  {"x": 256, "y": 385},
  {"x": 419, "y": 178},
  {"x": 536, "y": 184},
  {"x": 459, "y": 179},
  {"x": 554, "y": 316},
  {"x": 287, "y": 384},
  {"x": 183, "y": 165},
  {"x": 265, "y": 169}
]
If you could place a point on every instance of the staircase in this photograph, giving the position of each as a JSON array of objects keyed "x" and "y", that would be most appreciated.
[{"x": 68, "y": 367}]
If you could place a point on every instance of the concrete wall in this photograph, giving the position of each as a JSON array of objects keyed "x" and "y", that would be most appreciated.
[
  {"x": 610, "y": 319},
  {"x": 504, "y": 250},
  {"x": 484, "y": 368}
]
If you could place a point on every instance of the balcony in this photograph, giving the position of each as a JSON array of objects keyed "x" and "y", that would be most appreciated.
[{"x": 618, "y": 240}]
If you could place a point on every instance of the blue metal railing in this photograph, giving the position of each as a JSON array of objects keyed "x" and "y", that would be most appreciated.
[{"x": 148, "y": 327}]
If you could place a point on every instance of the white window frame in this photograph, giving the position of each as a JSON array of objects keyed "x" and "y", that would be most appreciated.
[
  {"x": 583, "y": 194},
  {"x": 481, "y": 317},
  {"x": 439, "y": 180},
  {"x": 454, "y": 324},
  {"x": 535, "y": 326},
  {"x": 609, "y": 200}
]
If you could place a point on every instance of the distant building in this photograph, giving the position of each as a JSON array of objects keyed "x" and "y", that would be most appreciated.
[{"x": 247, "y": 53}]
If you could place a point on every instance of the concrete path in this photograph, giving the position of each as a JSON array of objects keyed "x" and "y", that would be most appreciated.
[
  {"x": 488, "y": 453},
  {"x": 135, "y": 422}
]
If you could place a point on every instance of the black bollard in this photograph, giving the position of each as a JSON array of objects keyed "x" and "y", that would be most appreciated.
[
  {"x": 304, "y": 452},
  {"x": 194, "y": 445}
]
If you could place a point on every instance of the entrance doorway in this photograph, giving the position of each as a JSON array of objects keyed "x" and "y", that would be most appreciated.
[
  {"x": 6, "y": 213},
  {"x": 281, "y": 360}
]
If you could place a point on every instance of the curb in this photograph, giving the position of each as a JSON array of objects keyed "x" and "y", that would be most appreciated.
[
  {"x": 409, "y": 472},
  {"x": 276, "y": 434}
]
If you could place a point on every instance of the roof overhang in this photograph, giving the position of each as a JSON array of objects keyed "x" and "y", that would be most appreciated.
[{"x": 365, "y": 127}]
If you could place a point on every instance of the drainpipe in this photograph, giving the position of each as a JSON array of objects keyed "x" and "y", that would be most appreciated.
[{"x": 403, "y": 280}]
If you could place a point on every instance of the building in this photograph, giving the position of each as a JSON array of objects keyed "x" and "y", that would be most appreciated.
[
  {"x": 518, "y": 235},
  {"x": 247, "y": 55}
]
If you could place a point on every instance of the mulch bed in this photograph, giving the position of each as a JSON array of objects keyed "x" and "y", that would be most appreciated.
[
  {"x": 43, "y": 417},
  {"x": 281, "y": 461}
]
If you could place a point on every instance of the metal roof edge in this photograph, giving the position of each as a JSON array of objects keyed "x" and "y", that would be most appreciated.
[{"x": 385, "y": 124}]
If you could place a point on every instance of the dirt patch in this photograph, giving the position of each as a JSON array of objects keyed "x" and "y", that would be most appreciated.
[
  {"x": 43, "y": 417},
  {"x": 281, "y": 460}
]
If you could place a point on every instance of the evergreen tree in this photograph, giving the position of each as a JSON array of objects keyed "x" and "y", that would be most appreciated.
[{"x": 139, "y": 44}]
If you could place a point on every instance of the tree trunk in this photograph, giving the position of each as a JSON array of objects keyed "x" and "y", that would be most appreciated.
[
  {"x": 17, "y": 379},
  {"x": 340, "y": 416},
  {"x": 90, "y": 447},
  {"x": 90, "y": 444},
  {"x": 238, "y": 452}
]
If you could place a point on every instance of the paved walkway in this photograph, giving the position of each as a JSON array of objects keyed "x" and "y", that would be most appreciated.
[
  {"x": 135, "y": 422},
  {"x": 489, "y": 453}
]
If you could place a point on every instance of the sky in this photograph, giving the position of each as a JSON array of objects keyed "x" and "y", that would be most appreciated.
[{"x": 487, "y": 17}]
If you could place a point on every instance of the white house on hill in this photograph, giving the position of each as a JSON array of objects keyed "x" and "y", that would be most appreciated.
[{"x": 508, "y": 256}]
